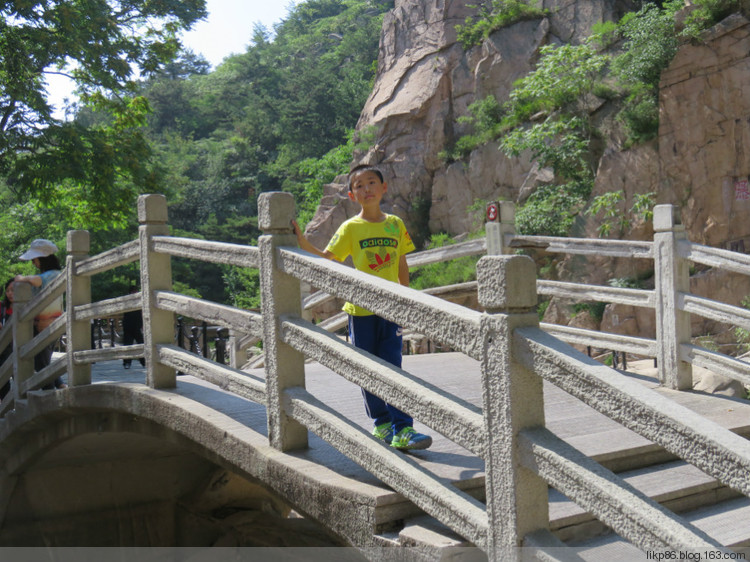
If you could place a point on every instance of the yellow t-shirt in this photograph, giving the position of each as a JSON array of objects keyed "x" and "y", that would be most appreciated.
[{"x": 375, "y": 247}]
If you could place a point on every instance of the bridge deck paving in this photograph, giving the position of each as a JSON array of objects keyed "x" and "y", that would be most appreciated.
[{"x": 454, "y": 373}]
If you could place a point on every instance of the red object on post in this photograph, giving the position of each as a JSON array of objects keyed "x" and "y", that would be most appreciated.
[{"x": 493, "y": 212}]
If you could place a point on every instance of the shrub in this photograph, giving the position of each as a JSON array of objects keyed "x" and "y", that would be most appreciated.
[
  {"x": 485, "y": 118},
  {"x": 707, "y": 13},
  {"x": 616, "y": 215},
  {"x": 494, "y": 15},
  {"x": 561, "y": 144},
  {"x": 650, "y": 45},
  {"x": 564, "y": 73},
  {"x": 441, "y": 274},
  {"x": 551, "y": 210}
]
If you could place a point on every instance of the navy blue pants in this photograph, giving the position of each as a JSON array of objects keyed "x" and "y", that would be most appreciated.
[{"x": 382, "y": 339}]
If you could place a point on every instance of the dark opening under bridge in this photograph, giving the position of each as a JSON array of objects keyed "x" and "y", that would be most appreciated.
[{"x": 524, "y": 423}]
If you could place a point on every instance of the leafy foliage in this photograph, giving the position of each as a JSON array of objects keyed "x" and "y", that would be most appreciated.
[
  {"x": 278, "y": 116},
  {"x": 552, "y": 209},
  {"x": 314, "y": 173},
  {"x": 709, "y": 12},
  {"x": 564, "y": 73},
  {"x": 494, "y": 15},
  {"x": 103, "y": 46},
  {"x": 547, "y": 115},
  {"x": 485, "y": 118},
  {"x": 455, "y": 271},
  {"x": 650, "y": 45},
  {"x": 561, "y": 140},
  {"x": 616, "y": 216}
]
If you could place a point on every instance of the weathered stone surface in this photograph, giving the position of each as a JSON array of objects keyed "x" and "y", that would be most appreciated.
[
  {"x": 335, "y": 207},
  {"x": 425, "y": 81},
  {"x": 700, "y": 161},
  {"x": 629, "y": 320},
  {"x": 274, "y": 210},
  {"x": 634, "y": 171},
  {"x": 504, "y": 282},
  {"x": 704, "y": 144},
  {"x": 707, "y": 381},
  {"x": 490, "y": 175},
  {"x": 152, "y": 209}
]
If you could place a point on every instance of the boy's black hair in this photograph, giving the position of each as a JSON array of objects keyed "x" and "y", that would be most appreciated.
[
  {"x": 47, "y": 263},
  {"x": 364, "y": 168}
]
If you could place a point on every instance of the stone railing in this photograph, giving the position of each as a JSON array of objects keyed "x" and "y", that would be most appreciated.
[
  {"x": 522, "y": 457},
  {"x": 671, "y": 300}
]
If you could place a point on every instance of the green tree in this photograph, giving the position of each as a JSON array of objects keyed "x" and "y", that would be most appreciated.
[
  {"x": 560, "y": 136},
  {"x": 650, "y": 45},
  {"x": 103, "y": 46}
]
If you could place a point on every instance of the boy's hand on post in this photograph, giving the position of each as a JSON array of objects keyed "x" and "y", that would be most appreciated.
[
  {"x": 306, "y": 245},
  {"x": 301, "y": 240}
]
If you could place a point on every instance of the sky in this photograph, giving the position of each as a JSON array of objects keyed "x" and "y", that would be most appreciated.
[
  {"x": 227, "y": 31},
  {"x": 230, "y": 26}
]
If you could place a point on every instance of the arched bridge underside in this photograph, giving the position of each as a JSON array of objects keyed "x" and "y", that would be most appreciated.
[
  {"x": 117, "y": 463},
  {"x": 123, "y": 464}
]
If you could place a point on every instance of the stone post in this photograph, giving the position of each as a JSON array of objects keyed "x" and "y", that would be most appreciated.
[
  {"x": 501, "y": 222},
  {"x": 23, "y": 333},
  {"x": 672, "y": 275},
  {"x": 280, "y": 294},
  {"x": 78, "y": 293},
  {"x": 517, "y": 502},
  {"x": 156, "y": 275}
]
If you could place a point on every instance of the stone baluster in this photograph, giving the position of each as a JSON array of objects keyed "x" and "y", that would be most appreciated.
[
  {"x": 280, "y": 294},
  {"x": 23, "y": 333},
  {"x": 156, "y": 275},
  {"x": 78, "y": 293},
  {"x": 517, "y": 502},
  {"x": 672, "y": 275},
  {"x": 234, "y": 351},
  {"x": 501, "y": 223}
]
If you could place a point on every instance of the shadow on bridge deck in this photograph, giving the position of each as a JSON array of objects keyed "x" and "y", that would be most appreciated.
[{"x": 95, "y": 452}]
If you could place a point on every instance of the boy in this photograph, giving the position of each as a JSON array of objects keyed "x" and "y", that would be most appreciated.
[{"x": 378, "y": 244}]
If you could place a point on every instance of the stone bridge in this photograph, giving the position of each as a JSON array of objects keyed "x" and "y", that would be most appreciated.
[{"x": 538, "y": 448}]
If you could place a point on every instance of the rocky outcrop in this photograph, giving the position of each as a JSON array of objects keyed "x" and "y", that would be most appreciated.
[
  {"x": 702, "y": 165},
  {"x": 426, "y": 80},
  {"x": 700, "y": 161},
  {"x": 704, "y": 138}
]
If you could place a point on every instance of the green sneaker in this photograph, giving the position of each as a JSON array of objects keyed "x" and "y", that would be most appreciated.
[
  {"x": 409, "y": 439},
  {"x": 383, "y": 431}
]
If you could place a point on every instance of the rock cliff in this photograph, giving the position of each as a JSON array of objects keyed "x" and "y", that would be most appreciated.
[{"x": 426, "y": 80}]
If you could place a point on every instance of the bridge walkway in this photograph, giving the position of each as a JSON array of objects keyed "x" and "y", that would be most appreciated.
[{"x": 322, "y": 466}]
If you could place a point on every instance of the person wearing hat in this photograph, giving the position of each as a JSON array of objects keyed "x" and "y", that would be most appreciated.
[{"x": 41, "y": 253}]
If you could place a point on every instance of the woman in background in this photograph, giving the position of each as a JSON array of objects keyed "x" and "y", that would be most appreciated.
[{"x": 42, "y": 254}]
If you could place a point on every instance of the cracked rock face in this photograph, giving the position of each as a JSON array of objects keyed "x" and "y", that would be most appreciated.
[
  {"x": 704, "y": 137},
  {"x": 426, "y": 80},
  {"x": 700, "y": 161}
]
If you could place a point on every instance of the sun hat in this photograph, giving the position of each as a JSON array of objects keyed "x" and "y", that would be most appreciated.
[{"x": 39, "y": 248}]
